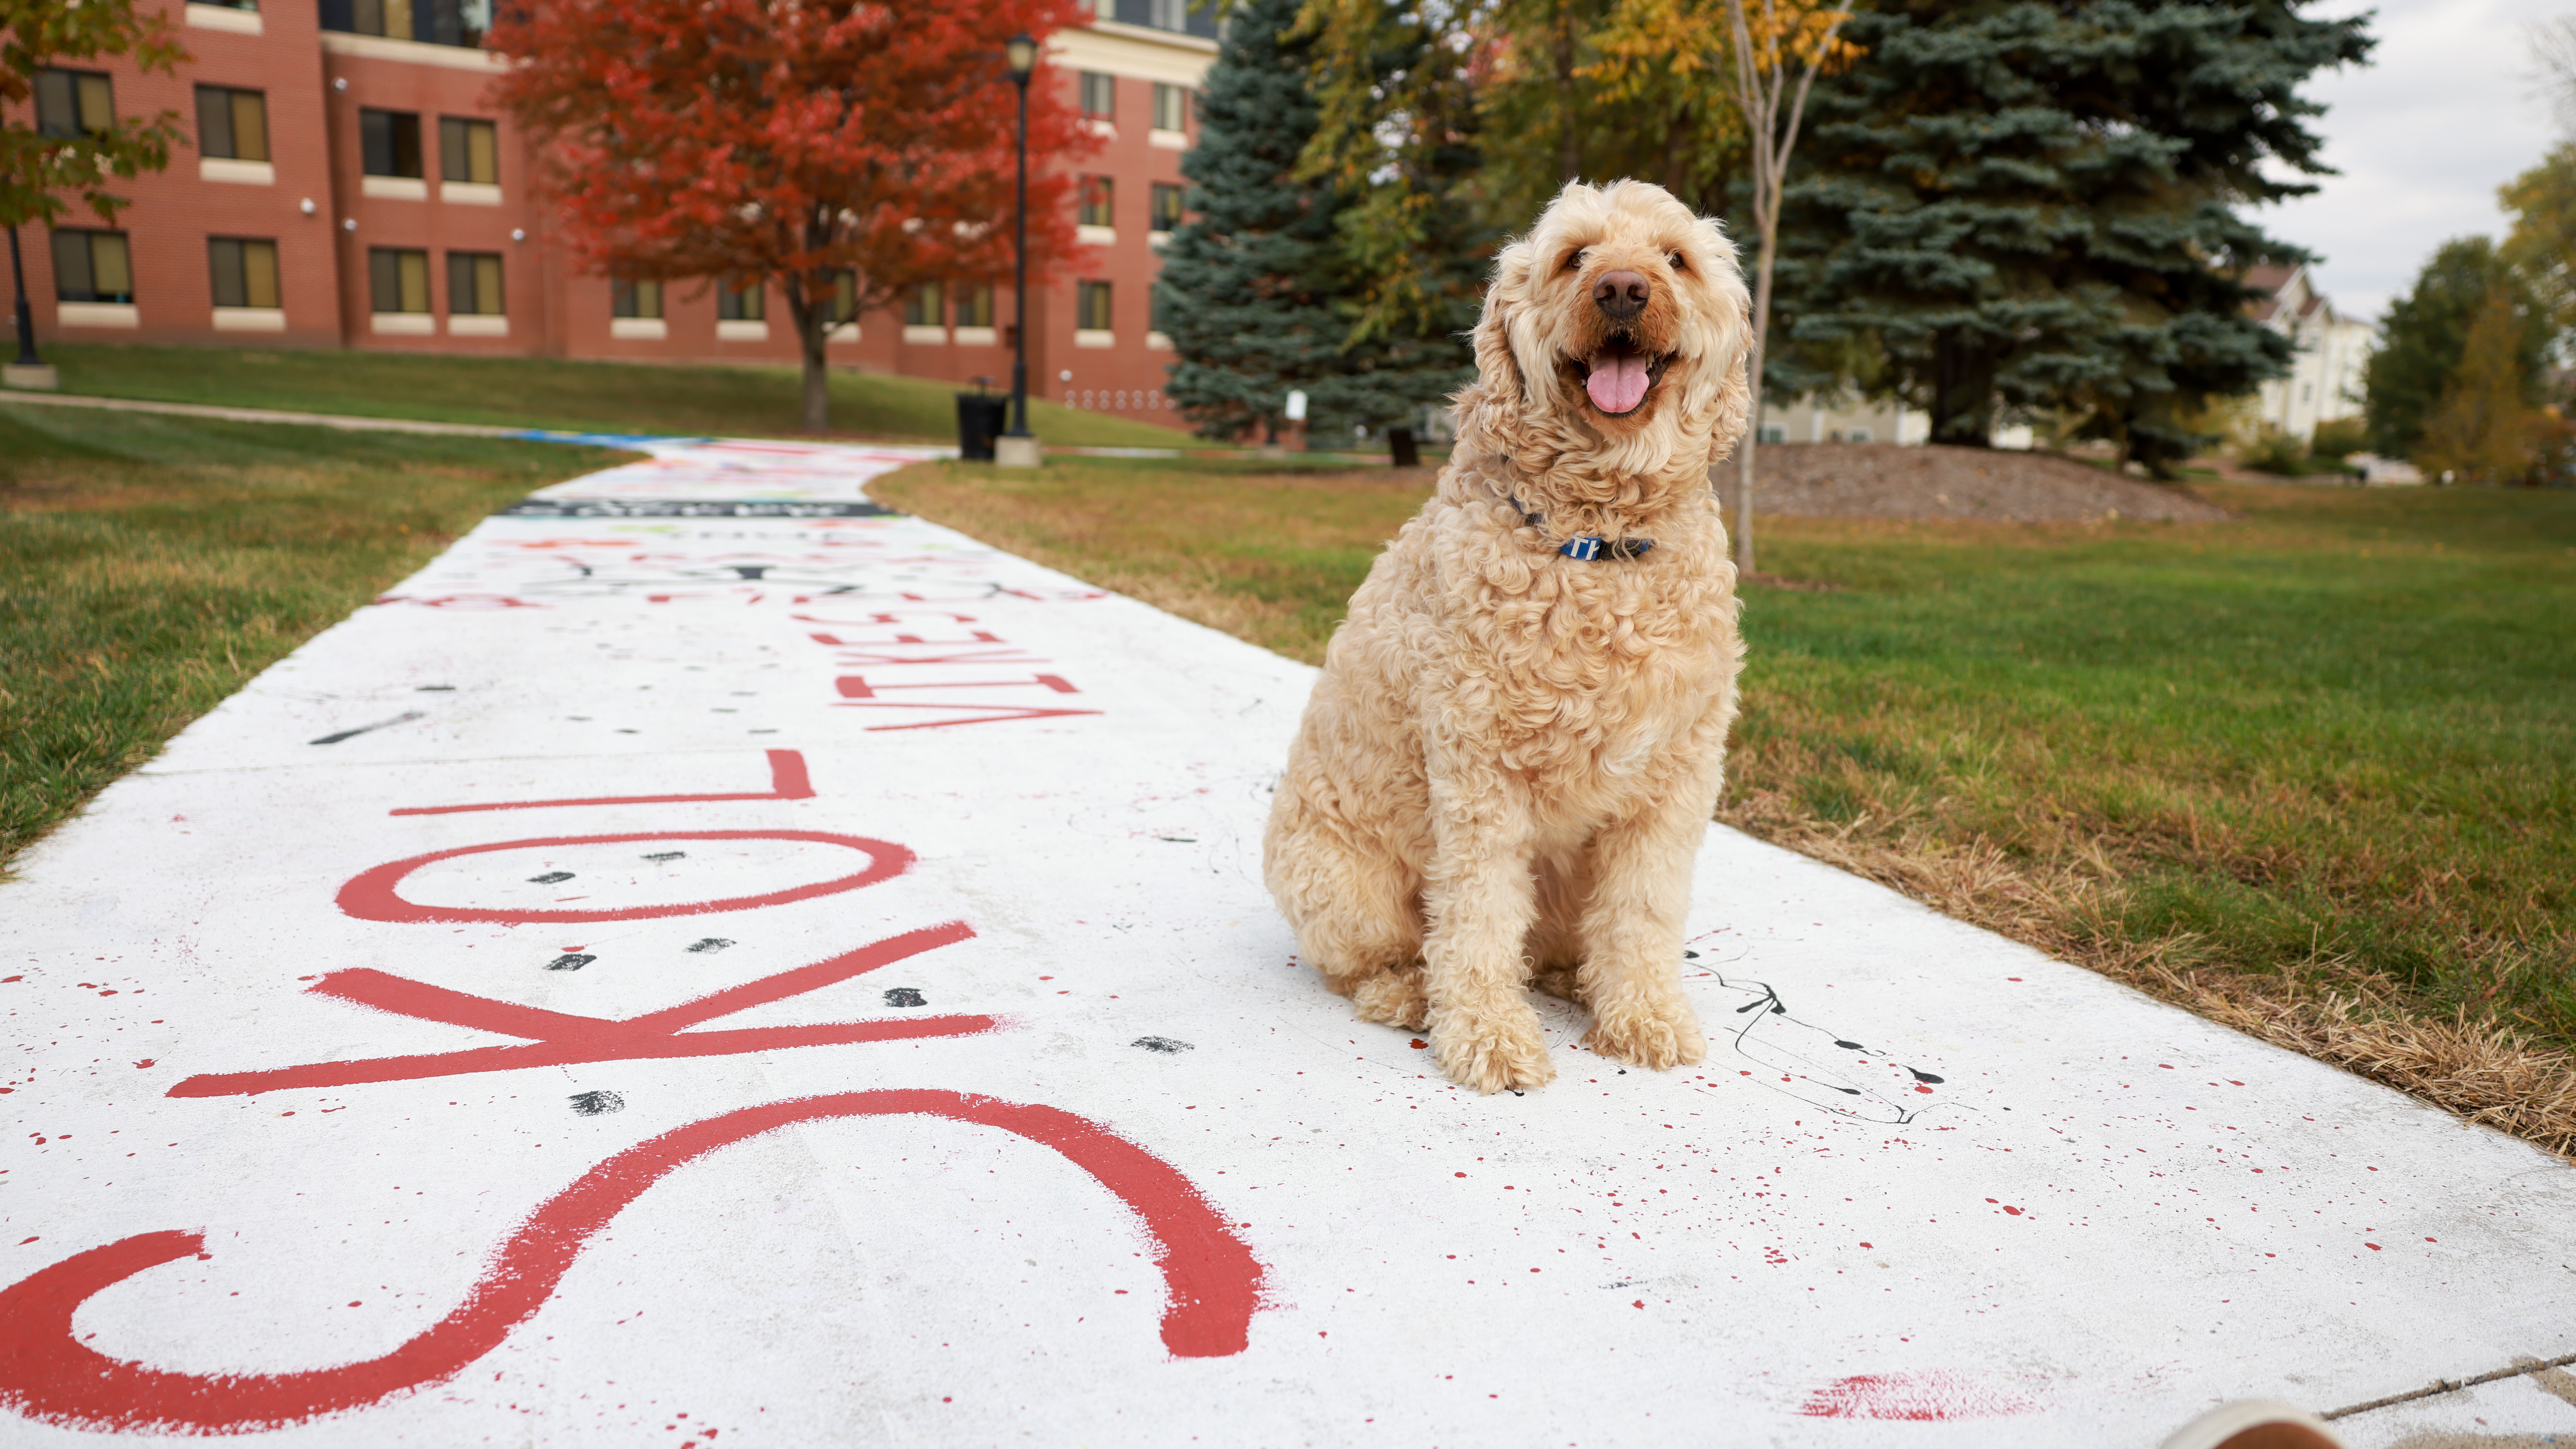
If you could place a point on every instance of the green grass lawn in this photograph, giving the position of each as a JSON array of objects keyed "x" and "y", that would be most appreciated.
[
  {"x": 150, "y": 565},
  {"x": 549, "y": 393},
  {"x": 2329, "y": 746}
]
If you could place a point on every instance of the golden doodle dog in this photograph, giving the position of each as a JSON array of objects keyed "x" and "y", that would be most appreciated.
[{"x": 1517, "y": 743}]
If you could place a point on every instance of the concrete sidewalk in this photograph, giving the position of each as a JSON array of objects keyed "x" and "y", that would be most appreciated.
[{"x": 710, "y": 962}]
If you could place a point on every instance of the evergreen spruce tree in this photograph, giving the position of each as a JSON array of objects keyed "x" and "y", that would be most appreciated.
[
  {"x": 1266, "y": 287},
  {"x": 2426, "y": 334},
  {"x": 2035, "y": 205}
]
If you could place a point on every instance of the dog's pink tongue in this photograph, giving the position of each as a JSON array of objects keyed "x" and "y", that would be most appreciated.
[{"x": 1618, "y": 380}]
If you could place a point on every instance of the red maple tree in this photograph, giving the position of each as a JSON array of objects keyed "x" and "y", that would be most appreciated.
[{"x": 847, "y": 150}]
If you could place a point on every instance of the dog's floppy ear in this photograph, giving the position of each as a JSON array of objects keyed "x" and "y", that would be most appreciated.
[{"x": 1489, "y": 409}]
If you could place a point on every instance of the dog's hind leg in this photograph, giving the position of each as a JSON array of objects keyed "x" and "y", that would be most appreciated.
[
  {"x": 1632, "y": 933},
  {"x": 1356, "y": 906}
]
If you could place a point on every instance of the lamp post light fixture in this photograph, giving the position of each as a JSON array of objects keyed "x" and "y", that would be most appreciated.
[{"x": 1016, "y": 448}]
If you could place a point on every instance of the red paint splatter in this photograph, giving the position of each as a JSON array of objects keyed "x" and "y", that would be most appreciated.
[
  {"x": 1935, "y": 1395},
  {"x": 46, "y": 1373},
  {"x": 2374, "y": 1247}
]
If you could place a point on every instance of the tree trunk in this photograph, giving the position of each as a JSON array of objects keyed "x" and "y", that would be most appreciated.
[
  {"x": 1569, "y": 149},
  {"x": 1400, "y": 442},
  {"x": 1745, "y": 446},
  {"x": 811, "y": 320}
]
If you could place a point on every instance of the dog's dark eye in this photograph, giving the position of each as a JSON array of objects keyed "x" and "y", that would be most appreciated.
[
  {"x": 1680, "y": 263},
  {"x": 1574, "y": 263}
]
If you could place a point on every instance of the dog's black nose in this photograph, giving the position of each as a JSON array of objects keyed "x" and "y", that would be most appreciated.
[{"x": 1621, "y": 294}]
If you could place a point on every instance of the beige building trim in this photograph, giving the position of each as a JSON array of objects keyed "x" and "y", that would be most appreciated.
[
  {"x": 250, "y": 319},
  {"x": 224, "y": 17},
  {"x": 1137, "y": 51},
  {"x": 411, "y": 52},
  {"x": 237, "y": 173}
]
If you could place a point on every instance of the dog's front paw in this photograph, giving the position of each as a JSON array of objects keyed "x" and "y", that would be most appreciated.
[
  {"x": 1648, "y": 1033},
  {"x": 1393, "y": 998},
  {"x": 1492, "y": 1053}
]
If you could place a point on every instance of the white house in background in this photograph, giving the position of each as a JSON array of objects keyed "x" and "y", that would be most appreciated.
[
  {"x": 2325, "y": 375},
  {"x": 1808, "y": 421}
]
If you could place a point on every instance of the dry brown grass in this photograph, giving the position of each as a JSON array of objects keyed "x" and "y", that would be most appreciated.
[{"x": 2479, "y": 1067}]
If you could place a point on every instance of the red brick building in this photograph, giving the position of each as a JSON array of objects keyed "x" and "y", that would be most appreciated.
[{"x": 349, "y": 187}]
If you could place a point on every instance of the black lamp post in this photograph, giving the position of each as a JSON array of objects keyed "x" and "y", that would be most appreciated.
[
  {"x": 26, "y": 315},
  {"x": 1020, "y": 53}
]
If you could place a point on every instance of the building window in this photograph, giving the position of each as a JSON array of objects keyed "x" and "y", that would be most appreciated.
[
  {"x": 397, "y": 280},
  {"x": 245, "y": 271},
  {"x": 740, "y": 304},
  {"x": 923, "y": 306},
  {"x": 468, "y": 151},
  {"x": 92, "y": 266},
  {"x": 1180, "y": 15},
  {"x": 842, "y": 305},
  {"x": 634, "y": 299},
  {"x": 1099, "y": 96},
  {"x": 974, "y": 306},
  {"x": 389, "y": 143},
  {"x": 1171, "y": 106},
  {"x": 1167, "y": 207},
  {"x": 436, "y": 22},
  {"x": 232, "y": 125},
  {"x": 1098, "y": 192},
  {"x": 1091, "y": 307},
  {"x": 74, "y": 103},
  {"x": 474, "y": 284}
]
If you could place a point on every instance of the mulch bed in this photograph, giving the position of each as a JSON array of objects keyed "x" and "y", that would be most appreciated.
[{"x": 1883, "y": 480}]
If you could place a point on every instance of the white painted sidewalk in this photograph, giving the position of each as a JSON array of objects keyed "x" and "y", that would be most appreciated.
[{"x": 705, "y": 964}]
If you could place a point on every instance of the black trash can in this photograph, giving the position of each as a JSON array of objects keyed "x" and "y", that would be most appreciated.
[{"x": 980, "y": 419}]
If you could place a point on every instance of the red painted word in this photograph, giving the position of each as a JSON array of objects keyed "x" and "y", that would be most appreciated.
[
  {"x": 559, "y": 1038},
  {"x": 370, "y": 895},
  {"x": 1211, "y": 1280}
]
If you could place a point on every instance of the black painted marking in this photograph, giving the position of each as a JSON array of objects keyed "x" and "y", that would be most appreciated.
[
  {"x": 1162, "y": 1044},
  {"x": 1690, "y": 955},
  {"x": 1851, "y": 1046},
  {"x": 711, "y": 943},
  {"x": 406, "y": 717},
  {"x": 550, "y": 877},
  {"x": 668, "y": 855},
  {"x": 1179, "y": 839},
  {"x": 597, "y": 1104},
  {"x": 435, "y": 689},
  {"x": 904, "y": 996},
  {"x": 1925, "y": 1077},
  {"x": 681, "y": 508},
  {"x": 570, "y": 961},
  {"x": 751, "y": 573}
]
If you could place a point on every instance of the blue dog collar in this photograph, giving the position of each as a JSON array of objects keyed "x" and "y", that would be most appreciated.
[{"x": 1588, "y": 549}]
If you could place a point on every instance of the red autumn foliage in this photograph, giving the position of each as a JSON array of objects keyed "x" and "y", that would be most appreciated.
[{"x": 846, "y": 151}]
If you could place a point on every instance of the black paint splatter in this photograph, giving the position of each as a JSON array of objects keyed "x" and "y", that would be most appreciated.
[
  {"x": 597, "y": 1104},
  {"x": 711, "y": 943},
  {"x": 1162, "y": 1044},
  {"x": 570, "y": 961},
  {"x": 668, "y": 855},
  {"x": 904, "y": 996},
  {"x": 550, "y": 877},
  {"x": 751, "y": 572},
  {"x": 405, "y": 717}
]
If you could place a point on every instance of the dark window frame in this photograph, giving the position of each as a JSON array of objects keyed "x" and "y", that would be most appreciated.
[
  {"x": 388, "y": 141},
  {"x": 456, "y": 149},
  {"x": 229, "y": 267},
  {"x": 62, "y": 101},
  {"x": 77, "y": 280},
  {"x": 219, "y": 122}
]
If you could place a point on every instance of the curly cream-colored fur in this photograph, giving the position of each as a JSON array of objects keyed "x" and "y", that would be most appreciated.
[{"x": 1510, "y": 760}]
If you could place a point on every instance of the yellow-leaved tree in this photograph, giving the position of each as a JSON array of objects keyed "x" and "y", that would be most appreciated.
[{"x": 2484, "y": 430}]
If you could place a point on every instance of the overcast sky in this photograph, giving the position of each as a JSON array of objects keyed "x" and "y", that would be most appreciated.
[{"x": 2424, "y": 134}]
